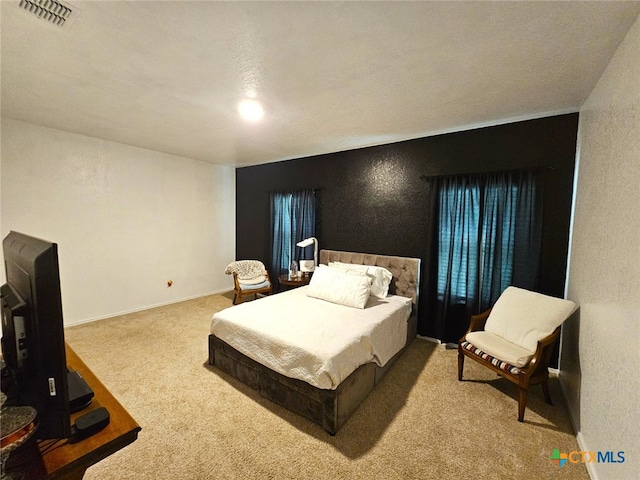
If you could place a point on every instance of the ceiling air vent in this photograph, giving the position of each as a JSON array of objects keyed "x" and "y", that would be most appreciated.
[{"x": 53, "y": 11}]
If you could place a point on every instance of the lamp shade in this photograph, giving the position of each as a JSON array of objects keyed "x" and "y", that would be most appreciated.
[{"x": 306, "y": 242}]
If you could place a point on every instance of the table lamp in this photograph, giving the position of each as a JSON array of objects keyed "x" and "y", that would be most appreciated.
[{"x": 309, "y": 265}]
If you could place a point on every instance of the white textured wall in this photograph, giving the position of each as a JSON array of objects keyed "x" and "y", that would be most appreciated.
[
  {"x": 126, "y": 219},
  {"x": 600, "y": 354}
]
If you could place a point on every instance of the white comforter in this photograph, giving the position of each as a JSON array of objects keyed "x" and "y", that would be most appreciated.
[{"x": 313, "y": 340}]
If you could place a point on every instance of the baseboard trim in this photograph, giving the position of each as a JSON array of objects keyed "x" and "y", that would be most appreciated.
[
  {"x": 148, "y": 307},
  {"x": 429, "y": 339},
  {"x": 582, "y": 444},
  {"x": 584, "y": 448}
]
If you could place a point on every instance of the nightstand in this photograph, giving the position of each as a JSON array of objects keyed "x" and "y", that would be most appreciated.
[{"x": 293, "y": 282}]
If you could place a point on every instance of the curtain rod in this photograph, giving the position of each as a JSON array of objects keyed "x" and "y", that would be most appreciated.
[
  {"x": 426, "y": 178},
  {"x": 314, "y": 190}
]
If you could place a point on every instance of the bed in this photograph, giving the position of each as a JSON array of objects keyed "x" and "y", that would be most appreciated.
[{"x": 329, "y": 397}]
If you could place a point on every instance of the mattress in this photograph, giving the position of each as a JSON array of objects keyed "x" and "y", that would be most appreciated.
[{"x": 313, "y": 340}]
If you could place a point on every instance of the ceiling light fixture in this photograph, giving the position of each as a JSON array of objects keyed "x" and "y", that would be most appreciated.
[{"x": 250, "y": 110}]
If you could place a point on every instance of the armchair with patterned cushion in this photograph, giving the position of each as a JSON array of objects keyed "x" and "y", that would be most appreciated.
[
  {"x": 250, "y": 277},
  {"x": 516, "y": 339}
]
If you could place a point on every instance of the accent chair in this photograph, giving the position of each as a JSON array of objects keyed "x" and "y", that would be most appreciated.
[
  {"x": 516, "y": 338},
  {"x": 250, "y": 277}
]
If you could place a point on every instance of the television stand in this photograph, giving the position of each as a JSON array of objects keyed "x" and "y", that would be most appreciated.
[{"x": 64, "y": 459}]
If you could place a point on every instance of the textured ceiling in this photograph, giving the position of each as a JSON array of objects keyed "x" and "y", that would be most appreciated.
[{"x": 332, "y": 76}]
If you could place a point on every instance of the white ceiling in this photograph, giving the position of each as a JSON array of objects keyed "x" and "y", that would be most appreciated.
[{"x": 332, "y": 76}]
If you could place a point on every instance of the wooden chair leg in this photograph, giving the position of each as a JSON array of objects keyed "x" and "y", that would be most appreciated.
[
  {"x": 522, "y": 402},
  {"x": 545, "y": 390},
  {"x": 460, "y": 365}
]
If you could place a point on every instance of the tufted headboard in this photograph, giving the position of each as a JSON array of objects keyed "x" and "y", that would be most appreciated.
[{"x": 405, "y": 270}]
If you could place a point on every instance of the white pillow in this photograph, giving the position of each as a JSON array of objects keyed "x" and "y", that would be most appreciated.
[
  {"x": 380, "y": 276},
  {"x": 523, "y": 317},
  {"x": 339, "y": 287}
]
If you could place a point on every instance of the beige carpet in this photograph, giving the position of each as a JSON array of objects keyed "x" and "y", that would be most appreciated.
[{"x": 419, "y": 422}]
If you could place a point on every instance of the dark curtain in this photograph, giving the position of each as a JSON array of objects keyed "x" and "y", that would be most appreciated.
[
  {"x": 303, "y": 222},
  {"x": 280, "y": 231},
  {"x": 485, "y": 235},
  {"x": 293, "y": 218},
  {"x": 511, "y": 234}
]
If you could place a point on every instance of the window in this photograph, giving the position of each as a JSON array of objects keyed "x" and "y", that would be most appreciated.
[
  {"x": 293, "y": 218},
  {"x": 459, "y": 218},
  {"x": 488, "y": 237}
]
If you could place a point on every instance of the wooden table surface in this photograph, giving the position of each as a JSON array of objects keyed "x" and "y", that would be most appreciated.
[
  {"x": 65, "y": 460},
  {"x": 293, "y": 282}
]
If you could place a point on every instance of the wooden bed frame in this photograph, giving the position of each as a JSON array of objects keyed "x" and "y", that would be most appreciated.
[{"x": 328, "y": 408}]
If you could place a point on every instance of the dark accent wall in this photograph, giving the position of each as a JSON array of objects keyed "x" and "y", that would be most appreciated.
[{"x": 374, "y": 200}]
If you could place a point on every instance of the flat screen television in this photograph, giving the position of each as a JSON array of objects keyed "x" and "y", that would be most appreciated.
[{"x": 33, "y": 345}]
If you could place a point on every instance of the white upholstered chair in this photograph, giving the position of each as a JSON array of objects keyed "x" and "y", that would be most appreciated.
[
  {"x": 516, "y": 338},
  {"x": 250, "y": 277}
]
